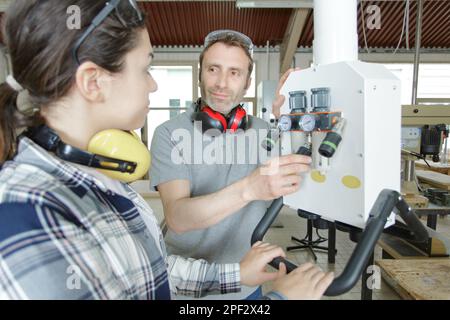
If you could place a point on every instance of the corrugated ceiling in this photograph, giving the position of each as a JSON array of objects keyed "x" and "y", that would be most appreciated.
[{"x": 186, "y": 23}]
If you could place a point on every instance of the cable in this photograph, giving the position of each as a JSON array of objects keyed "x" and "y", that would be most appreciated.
[
  {"x": 417, "y": 183},
  {"x": 407, "y": 25},
  {"x": 320, "y": 238},
  {"x": 363, "y": 25},
  {"x": 418, "y": 155},
  {"x": 403, "y": 27}
]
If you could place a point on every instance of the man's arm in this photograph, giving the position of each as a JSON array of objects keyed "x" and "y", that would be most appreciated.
[
  {"x": 279, "y": 177},
  {"x": 184, "y": 213},
  {"x": 279, "y": 98}
]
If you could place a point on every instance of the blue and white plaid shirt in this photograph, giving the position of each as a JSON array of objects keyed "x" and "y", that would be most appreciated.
[{"x": 64, "y": 235}]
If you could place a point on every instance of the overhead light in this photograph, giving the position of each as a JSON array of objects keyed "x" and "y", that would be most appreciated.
[{"x": 274, "y": 3}]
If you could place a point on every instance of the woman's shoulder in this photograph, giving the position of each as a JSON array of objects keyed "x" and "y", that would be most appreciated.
[
  {"x": 25, "y": 191},
  {"x": 28, "y": 193},
  {"x": 26, "y": 183}
]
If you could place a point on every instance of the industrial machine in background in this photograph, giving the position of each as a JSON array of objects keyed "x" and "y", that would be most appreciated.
[
  {"x": 426, "y": 142},
  {"x": 424, "y": 136},
  {"x": 431, "y": 140}
]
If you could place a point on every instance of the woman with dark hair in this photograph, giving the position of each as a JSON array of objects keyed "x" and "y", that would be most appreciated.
[{"x": 68, "y": 231}]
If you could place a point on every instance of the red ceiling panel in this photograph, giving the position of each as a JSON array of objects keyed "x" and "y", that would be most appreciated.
[
  {"x": 435, "y": 25},
  {"x": 187, "y": 23}
]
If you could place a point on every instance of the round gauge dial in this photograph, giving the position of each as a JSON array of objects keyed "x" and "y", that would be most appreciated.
[
  {"x": 307, "y": 122},
  {"x": 285, "y": 123}
]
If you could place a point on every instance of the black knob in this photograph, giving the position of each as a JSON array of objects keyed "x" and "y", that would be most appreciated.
[{"x": 329, "y": 144}]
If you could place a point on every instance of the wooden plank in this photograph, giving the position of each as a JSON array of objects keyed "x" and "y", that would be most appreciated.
[
  {"x": 394, "y": 285},
  {"x": 436, "y": 179},
  {"x": 436, "y": 167},
  {"x": 415, "y": 201},
  {"x": 399, "y": 248},
  {"x": 419, "y": 279},
  {"x": 417, "y": 115}
]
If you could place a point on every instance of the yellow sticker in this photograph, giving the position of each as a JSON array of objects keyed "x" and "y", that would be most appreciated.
[
  {"x": 351, "y": 182},
  {"x": 317, "y": 176}
]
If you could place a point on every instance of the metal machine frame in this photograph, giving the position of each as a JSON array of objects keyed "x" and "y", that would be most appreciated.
[{"x": 387, "y": 201}]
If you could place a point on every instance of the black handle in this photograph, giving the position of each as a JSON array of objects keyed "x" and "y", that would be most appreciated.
[
  {"x": 387, "y": 201},
  {"x": 264, "y": 225}
]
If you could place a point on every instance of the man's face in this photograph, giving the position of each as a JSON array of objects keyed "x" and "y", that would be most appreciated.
[{"x": 225, "y": 78}]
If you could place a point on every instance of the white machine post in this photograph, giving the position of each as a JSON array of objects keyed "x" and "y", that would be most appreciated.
[{"x": 335, "y": 31}]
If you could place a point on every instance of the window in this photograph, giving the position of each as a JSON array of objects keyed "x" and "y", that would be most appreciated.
[
  {"x": 174, "y": 94},
  {"x": 434, "y": 80}
]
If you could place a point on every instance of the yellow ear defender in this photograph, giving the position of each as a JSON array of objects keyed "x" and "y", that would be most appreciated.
[
  {"x": 118, "y": 154},
  {"x": 123, "y": 145}
]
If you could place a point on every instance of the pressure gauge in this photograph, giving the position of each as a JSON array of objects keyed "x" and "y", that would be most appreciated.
[
  {"x": 307, "y": 122},
  {"x": 285, "y": 123}
]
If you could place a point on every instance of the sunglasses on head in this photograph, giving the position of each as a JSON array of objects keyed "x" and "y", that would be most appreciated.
[
  {"x": 223, "y": 34},
  {"x": 122, "y": 10}
]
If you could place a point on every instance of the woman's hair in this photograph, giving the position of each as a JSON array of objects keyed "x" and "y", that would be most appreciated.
[{"x": 39, "y": 42}]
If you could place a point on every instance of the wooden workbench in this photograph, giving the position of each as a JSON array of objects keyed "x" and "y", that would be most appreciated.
[
  {"x": 418, "y": 279},
  {"x": 435, "y": 179},
  {"x": 434, "y": 166}
]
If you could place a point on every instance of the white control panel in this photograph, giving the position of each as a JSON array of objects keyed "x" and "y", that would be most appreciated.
[{"x": 411, "y": 138}]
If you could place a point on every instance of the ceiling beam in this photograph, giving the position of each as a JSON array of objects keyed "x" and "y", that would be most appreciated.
[{"x": 292, "y": 37}]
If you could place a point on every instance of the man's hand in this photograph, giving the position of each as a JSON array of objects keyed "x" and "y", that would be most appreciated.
[
  {"x": 253, "y": 265},
  {"x": 280, "y": 176},
  {"x": 279, "y": 98},
  {"x": 307, "y": 282}
]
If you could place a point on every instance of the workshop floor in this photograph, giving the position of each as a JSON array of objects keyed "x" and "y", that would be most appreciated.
[{"x": 290, "y": 224}]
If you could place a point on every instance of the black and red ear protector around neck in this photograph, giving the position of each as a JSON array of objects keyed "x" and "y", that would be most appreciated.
[{"x": 211, "y": 119}]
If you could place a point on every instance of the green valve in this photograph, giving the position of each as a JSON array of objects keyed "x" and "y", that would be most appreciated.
[{"x": 329, "y": 145}]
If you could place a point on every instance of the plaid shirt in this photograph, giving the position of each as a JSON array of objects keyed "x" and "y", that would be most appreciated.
[{"x": 64, "y": 235}]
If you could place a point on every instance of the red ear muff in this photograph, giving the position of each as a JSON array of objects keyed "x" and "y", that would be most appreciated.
[
  {"x": 211, "y": 119},
  {"x": 237, "y": 119},
  {"x": 216, "y": 116}
]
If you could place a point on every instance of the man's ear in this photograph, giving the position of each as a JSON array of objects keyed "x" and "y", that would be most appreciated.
[
  {"x": 199, "y": 77},
  {"x": 93, "y": 82},
  {"x": 249, "y": 82}
]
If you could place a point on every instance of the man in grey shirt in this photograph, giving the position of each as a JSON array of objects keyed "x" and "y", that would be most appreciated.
[{"x": 212, "y": 184}]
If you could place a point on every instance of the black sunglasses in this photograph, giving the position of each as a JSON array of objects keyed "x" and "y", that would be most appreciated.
[{"x": 123, "y": 15}]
